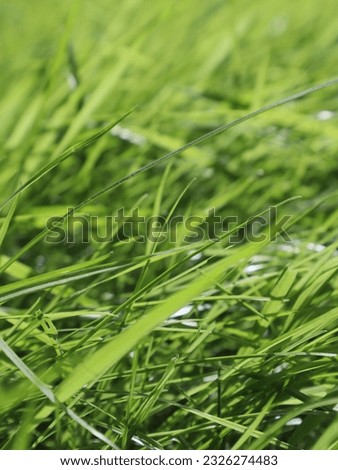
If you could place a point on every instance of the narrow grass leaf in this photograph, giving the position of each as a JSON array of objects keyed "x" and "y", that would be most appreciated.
[{"x": 64, "y": 156}]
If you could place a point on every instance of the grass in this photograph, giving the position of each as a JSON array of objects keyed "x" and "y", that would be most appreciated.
[{"x": 165, "y": 110}]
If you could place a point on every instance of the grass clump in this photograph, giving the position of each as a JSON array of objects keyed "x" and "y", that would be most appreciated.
[{"x": 140, "y": 304}]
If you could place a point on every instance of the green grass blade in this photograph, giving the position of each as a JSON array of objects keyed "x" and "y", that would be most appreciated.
[{"x": 64, "y": 156}]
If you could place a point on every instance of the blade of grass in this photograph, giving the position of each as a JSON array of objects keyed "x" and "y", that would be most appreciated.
[
  {"x": 162, "y": 159},
  {"x": 64, "y": 156},
  {"x": 7, "y": 221},
  {"x": 48, "y": 393},
  {"x": 97, "y": 363}
]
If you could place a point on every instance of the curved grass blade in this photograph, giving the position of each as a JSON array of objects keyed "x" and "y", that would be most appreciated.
[
  {"x": 74, "y": 273},
  {"x": 64, "y": 155},
  {"x": 164, "y": 158},
  {"x": 7, "y": 221},
  {"x": 270, "y": 433},
  {"x": 47, "y": 391},
  {"x": 96, "y": 364}
]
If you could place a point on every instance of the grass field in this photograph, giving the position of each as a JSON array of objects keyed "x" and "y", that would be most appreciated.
[{"x": 168, "y": 263}]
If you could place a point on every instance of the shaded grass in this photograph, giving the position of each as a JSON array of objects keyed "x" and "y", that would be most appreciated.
[{"x": 175, "y": 344}]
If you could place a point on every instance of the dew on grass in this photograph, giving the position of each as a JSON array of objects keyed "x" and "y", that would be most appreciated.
[
  {"x": 107, "y": 296},
  {"x": 280, "y": 367},
  {"x": 204, "y": 307},
  {"x": 257, "y": 259},
  {"x": 289, "y": 248},
  {"x": 315, "y": 247},
  {"x": 72, "y": 82},
  {"x": 208, "y": 173},
  {"x": 126, "y": 134},
  {"x": 40, "y": 262},
  {"x": 210, "y": 378},
  {"x": 253, "y": 268},
  {"x": 183, "y": 311},
  {"x": 324, "y": 115},
  {"x": 294, "y": 422},
  {"x": 190, "y": 323},
  {"x": 196, "y": 257},
  {"x": 180, "y": 313},
  {"x": 93, "y": 316}
]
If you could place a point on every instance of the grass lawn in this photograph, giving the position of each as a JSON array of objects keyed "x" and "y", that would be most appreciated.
[{"x": 168, "y": 224}]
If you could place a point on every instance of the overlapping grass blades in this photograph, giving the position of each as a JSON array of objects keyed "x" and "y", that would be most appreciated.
[{"x": 176, "y": 343}]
